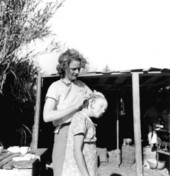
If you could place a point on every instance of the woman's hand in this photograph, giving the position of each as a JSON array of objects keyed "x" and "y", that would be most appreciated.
[{"x": 78, "y": 103}]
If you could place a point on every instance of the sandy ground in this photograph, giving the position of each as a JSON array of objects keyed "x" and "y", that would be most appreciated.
[{"x": 111, "y": 168}]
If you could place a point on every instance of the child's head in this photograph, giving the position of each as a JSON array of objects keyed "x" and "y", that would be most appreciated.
[{"x": 96, "y": 104}]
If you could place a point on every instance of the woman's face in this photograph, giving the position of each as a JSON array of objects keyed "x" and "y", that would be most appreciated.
[
  {"x": 73, "y": 70},
  {"x": 98, "y": 107}
]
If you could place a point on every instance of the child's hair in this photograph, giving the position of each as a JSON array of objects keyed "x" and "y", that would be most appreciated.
[{"x": 93, "y": 96}]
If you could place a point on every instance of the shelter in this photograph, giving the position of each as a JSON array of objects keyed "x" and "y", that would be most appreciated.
[{"x": 129, "y": 94}]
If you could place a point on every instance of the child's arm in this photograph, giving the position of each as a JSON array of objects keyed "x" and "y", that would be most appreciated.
[{"x": 78, "y": 154}]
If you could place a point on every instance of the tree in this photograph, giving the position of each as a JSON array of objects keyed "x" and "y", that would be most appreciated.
[{"x": 22, "y": 22}]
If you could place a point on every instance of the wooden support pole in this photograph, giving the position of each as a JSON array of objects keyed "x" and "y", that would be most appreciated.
[
  {"x": 35, "y": 131},
  {"x": 117, "y": 132},
  {"x": 137, "y": 123}
]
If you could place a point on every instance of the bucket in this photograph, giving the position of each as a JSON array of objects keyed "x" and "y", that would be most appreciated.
[
  {"x": 102, "y": 153},
  {"x": 128, "y": 154},
  {"x": 148, "y": 153}
]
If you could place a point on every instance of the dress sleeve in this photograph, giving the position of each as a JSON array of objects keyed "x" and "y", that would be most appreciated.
[
  {"x": 78, "y": 124},
  {"x": 52, "y": 92}
]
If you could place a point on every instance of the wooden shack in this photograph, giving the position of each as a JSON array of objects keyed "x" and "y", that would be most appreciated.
[{"x": 129, "y": 94}]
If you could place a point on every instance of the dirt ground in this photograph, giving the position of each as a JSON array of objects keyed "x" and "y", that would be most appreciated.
[{"x": 111, "y": 168}]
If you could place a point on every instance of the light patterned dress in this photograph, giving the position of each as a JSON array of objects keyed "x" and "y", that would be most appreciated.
[{"x": 81, "y": 123}]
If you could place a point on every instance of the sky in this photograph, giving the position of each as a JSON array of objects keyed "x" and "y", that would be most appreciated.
[{"x": 123, "y": 34}]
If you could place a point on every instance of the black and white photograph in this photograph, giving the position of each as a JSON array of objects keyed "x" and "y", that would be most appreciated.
[{"x": 84, "y": 88}]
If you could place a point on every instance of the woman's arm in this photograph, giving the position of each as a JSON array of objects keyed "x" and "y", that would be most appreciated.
[
  {"x": 78, "y": 154},
  {"x": 50, "y": 112}
]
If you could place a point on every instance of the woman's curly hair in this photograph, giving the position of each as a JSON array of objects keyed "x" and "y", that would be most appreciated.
[{"x": 65, "y": 59}]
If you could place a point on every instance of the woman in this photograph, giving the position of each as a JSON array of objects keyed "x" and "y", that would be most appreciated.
[{"x": 63, "y": 99}]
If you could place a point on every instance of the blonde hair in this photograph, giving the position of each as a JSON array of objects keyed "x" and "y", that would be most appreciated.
[{"x": 93, "y": 96}]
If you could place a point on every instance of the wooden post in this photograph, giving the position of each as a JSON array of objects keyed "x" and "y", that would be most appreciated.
[
  {"x": 117, "y": 132},
  {"x": 35, "y": 133},
  {"x": 137, "y": 125}
]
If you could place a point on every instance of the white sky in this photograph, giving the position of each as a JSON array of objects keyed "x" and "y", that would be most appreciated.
[{"x": 123, "y": 34}]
